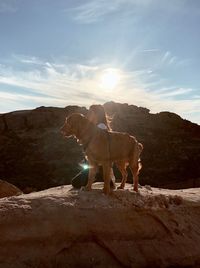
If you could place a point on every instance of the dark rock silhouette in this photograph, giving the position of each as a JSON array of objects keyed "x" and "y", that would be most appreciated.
[{"x": 34, "y": 154}]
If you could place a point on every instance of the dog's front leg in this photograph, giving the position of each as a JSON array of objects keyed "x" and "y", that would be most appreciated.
[
  {"x": 106, "y": 178},
  {"x": 91, "y": 177}
]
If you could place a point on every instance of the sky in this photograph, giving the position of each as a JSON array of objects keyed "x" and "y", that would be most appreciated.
[{"x": 83, "y": 52}]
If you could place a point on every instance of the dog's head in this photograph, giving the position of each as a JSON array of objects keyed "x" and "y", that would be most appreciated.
[{"x": 74, "y": 125}]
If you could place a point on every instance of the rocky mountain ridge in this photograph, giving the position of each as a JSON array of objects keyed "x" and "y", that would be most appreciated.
[{"x": 34, "y": 155}]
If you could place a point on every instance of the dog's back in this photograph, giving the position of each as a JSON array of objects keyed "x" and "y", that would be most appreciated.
[{"x": 120, "y": 145}]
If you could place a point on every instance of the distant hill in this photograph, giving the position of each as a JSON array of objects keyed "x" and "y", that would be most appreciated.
[{"x": 34, "y": 155}]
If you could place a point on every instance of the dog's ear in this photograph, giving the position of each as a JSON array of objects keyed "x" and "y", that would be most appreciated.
[
  {"x": 81, "y": 125},
  {"x": 77, "y": 124}
]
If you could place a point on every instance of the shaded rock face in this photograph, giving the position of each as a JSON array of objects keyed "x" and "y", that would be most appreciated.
[
  {"x": 171, "y": 152},
  {"x": 62, "y": 227},
  {"x": 33, "y": 153}
]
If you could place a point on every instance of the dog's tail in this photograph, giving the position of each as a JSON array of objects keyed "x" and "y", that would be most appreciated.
[
  {"x": 140, "y": 149},
  {"x": 137, "y": 150}
]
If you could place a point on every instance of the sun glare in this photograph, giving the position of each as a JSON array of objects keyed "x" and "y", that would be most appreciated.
[{"x": 109, "y": 79}]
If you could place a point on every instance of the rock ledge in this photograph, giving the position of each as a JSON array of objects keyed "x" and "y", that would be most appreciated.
[{"x": 63, "y": 227}]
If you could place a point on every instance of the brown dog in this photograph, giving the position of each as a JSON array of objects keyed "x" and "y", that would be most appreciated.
[{"x": 103, "y": 148}]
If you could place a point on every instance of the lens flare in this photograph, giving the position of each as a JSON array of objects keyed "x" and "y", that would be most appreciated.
[{"x": 84, "y": 166}]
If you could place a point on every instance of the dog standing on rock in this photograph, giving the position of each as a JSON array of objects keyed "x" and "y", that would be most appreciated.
[{"x": 103, "y": 148}]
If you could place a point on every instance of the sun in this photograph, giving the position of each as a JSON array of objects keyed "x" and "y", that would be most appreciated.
[{"x": 109, "y": 79}]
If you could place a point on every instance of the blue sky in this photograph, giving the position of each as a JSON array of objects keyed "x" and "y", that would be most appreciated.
[{"x": 54, "y": 53}]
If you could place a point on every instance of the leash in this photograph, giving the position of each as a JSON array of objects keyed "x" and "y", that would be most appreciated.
[
  {"x": 108, "y": 137},
  {"x": 77, "y": 175},
  {"x": 80, "y": 172},
  {"x": 109, "y": 151},
  {"x": 86, "y": 144}
]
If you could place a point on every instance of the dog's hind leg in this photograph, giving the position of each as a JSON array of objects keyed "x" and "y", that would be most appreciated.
[
  {"x": 122, "y": 169},
  {"x": 106, "y": 178},
  {"x": 91, "y": 177},
  {"x": 135, "y": 164},
  {"x": 134, "y": 171}
]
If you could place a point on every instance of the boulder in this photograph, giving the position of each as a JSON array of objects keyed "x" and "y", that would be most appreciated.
[{"x": 8, "y": 189}]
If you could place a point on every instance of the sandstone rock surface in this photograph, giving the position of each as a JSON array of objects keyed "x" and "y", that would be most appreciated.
[{"x": 63, "y": 227}]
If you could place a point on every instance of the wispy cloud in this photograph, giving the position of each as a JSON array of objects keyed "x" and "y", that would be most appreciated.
[
  {"x": 94, "y": 10},
  {"x": 168, "y": 58},
  {"x": 28, "y": 59},
  {"x": 24, "y": 98},
  {"x": 173, "y": 92},
  {"x": 149, "y": 50},
  {"x": 8, "y": 6},
  {"x": 60, "y": 84}
]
